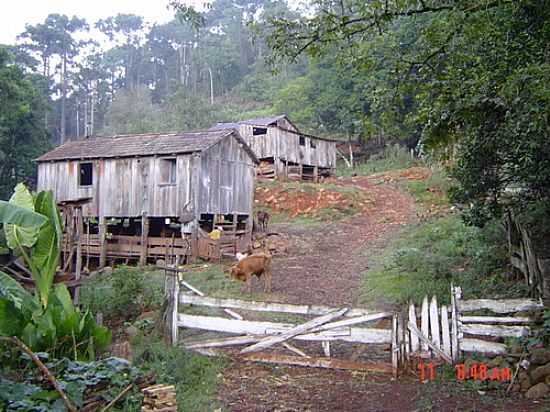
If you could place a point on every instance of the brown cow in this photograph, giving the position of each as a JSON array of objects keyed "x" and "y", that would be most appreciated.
[
  {"x": 263, "y": 219},
  {"x": 258, "y": 264}
]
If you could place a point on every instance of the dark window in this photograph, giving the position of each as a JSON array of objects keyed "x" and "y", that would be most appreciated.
[
  {"x": 259, "y": 131},
  {"x": 168, "y": 171},
  {"x": 86, "y": 174},
  {"x": 312, "y": 144},
  {"x": 302, "y": 141}
]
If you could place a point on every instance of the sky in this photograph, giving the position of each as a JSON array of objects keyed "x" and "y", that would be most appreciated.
[{"x": 16, "y": 13}]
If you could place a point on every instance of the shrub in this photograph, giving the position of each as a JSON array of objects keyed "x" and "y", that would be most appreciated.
[
  {"x": 426, "y": 258},
  {"x": 125, "y": 293},
  {"x": 391, "y": 158}
]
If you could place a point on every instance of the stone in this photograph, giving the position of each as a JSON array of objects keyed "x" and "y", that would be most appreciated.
[
  {"x": 496, "y": 362},
  {"x": 524, "y": 381},
  {"x": 131, "y": 331},
  {"x": 107, "y": 270},
  {"x": 515, "y": 388},
  {"x": 516, "y": 349},
  {"x": 539, "y": 374},
  {"x": 540, "y": 356},
  {"x": 538, "y": 391}
]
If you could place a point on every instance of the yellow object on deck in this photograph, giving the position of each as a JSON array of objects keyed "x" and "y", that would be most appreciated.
[{"x": 215, "y": 234}]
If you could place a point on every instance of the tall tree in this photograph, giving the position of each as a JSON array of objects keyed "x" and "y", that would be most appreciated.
[
  {"x": 22, "y": 133},
  {"x": 55, "y": 37}
]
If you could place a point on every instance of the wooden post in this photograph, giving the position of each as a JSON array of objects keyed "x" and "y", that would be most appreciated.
[
  {"x": 316, "y": 174},
  {"x": 88, "y": 243},
  {"x": 455, "y": 345},
  {"x": 171, "y": 314},
  {"x": 79, "y": 227},
  {"x": 144, "y": 239},
  {"x": 394, "y": 346},
  {"x": 102, "y": 242}
]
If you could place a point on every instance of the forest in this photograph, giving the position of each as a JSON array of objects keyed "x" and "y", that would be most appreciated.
[{"x": 457, "y": 91}]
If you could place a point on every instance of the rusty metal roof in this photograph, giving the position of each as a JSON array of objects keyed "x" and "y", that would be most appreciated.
[
  {"x": 141, "y": 145},
  {"x": 259, "y": 121}
]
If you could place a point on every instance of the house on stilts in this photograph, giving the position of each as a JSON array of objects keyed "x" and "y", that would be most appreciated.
[
  {"x": 150, "y": 196},
  {"x": 285, "y": 152}
]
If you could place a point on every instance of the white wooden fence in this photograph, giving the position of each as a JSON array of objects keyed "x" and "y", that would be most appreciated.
[
  {"x": 448, "y": 332},
  {"x": 327, "y": 325},
  {"x": 433, "y": 330}
]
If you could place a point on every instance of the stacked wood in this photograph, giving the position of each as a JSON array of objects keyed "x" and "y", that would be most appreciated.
[
  {"x": 266, "y": 170},
  {"x": 159, "y": 398}
]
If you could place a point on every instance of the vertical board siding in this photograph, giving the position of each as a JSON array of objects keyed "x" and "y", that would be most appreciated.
[{"x": 220, "y": 181}]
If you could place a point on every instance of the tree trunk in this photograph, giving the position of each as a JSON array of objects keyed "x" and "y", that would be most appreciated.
[{"x": 63, "y": 97}]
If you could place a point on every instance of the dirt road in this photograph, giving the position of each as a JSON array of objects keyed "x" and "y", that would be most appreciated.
[{"x": 324, "y": 266}]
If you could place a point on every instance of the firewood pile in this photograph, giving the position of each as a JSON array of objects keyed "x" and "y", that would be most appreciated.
[
  {"x": 266, "y": 170},
  {"x": 159, "y": 398}
]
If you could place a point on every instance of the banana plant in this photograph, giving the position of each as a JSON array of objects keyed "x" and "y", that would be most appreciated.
[
  {"x": 33, "y": 229},
  {"x": 48, "y": 320}
]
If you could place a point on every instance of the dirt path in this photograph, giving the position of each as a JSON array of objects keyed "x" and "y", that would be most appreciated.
[
  {"x": 324, "y": 266},
  {"x": 325, "y": 263}
]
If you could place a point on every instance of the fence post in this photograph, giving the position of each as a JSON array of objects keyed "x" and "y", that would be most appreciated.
[
  {"x": 455, "y": 345},
  {"x": 394, "y": 345},
  {"x": 171, "y": 314}
]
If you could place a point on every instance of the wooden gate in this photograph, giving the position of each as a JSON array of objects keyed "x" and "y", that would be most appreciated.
[
  {"x": 466, "y": 326},
  {"x": 325, "y": 325}
]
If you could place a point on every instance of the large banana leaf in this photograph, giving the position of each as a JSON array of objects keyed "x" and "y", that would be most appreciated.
[
  {"x": 21, "y": 223},
  {"x": 46, "y": 250},
  {"x": 11, "y": 290}
]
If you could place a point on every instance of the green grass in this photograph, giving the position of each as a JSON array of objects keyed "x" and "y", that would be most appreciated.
[
  {"x": 392, "y": 158},
  {"x": 425, "y": 258},
  {"x": 196, "y": 377},
  {"x": 423, "y": 190},
  {"x": 125, "y": 293}
]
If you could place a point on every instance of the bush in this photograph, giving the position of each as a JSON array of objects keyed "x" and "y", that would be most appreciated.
[
  {"x": 125, "y": 293},
  {"x": 426, "y": 258},
  {"x": 391, "y": 158}
]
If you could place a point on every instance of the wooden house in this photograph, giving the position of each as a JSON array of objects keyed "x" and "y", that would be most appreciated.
[
  {"x": 284, "y": 151},
  {"x": 156, "y": 195}
]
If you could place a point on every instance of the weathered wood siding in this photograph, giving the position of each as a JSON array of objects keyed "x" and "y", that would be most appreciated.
[
  {"x": 227, "y": 179},
  {"x": 219, "y": 180},
  {"x": 281, "y": 144}
]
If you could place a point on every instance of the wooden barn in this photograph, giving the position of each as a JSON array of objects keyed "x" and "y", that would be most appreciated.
[
  {"x": 153, "y": 196},
  {"x": 284, "y": 151}
]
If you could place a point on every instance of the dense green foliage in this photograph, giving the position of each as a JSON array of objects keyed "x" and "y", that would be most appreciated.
[
  {"x": 426, "y": 258},
  {"x": 470, "y": 76},
  {"x": 23, "y": 389},
  {"x": 22, "y": 135},
  {"x": 48, "y": 320},
  {"x": 125, "y": 293}
]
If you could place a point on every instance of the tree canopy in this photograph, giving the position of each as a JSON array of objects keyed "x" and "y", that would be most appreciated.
[{"x": 470, "y": 76}]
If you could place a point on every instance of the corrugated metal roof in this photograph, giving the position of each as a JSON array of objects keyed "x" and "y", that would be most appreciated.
[
  {"x": 259, "y": 121},
  {"x": 140, "y": 145}
]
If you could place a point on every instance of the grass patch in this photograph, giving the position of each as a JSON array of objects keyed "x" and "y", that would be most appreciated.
[
  {"x": 426, "y": 258},
  {"x": 124, "y": 293},
  {"x": 432, "y": 191},
  {"x": 391, "y": 158},
  {"x": 196, "y": 377}
]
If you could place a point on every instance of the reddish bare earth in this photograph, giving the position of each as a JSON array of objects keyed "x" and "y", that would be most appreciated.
[{"x": 324, "y": 266}]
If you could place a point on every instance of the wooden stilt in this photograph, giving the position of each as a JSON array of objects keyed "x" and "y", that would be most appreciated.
[
  {"x": 144, "y": 239},
  {"x": 78, "y": 240},
  {"x": 103, "y": 242}
]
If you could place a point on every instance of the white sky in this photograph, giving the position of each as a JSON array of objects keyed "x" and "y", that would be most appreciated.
[{"x": 16, "y": 13}]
